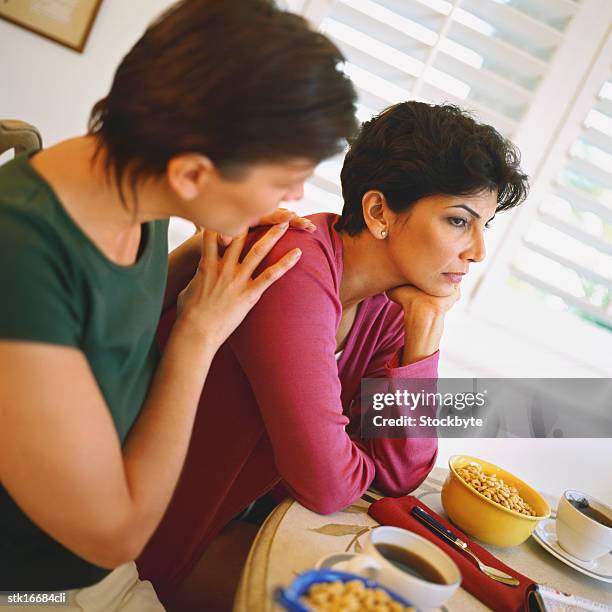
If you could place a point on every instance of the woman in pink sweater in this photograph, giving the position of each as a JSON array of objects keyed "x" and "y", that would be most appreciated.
[{"x": 366, "y": 300}]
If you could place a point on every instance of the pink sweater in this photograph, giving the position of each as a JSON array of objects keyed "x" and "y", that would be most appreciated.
[{"x": 276, "y": 405}]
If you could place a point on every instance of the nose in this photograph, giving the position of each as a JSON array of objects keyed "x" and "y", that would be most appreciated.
[
  {"x": 296, "y": 193},
  {"x": 477, "y": 250}
]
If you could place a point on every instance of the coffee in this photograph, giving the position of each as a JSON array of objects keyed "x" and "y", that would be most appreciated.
[
  {"x": 410, "y": 562},
  {"x": 583, "y": 506}
]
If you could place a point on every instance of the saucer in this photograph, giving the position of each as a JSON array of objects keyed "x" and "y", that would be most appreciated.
[
  {"x": 433, "y": 500},
  {"x": 545, "y": 534},
  {"x": 335, "y": 561}
]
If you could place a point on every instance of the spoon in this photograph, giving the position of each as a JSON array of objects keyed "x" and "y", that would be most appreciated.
[{"x": 440, "y": 529}]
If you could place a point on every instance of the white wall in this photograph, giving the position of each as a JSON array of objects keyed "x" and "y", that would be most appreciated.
[{"x": 54, "y": 88}]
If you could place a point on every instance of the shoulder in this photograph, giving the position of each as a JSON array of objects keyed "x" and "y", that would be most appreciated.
[
  {"x": 321, "y": 250},
  {"x": 28, "y": 240},
  {"x": 37, "y": 281},
  {"x": 322, "y": 239},
  {"x": 23, "y": 193},
  {"x": 27, "y": 215},
  {"x": 22, "y": 231}
]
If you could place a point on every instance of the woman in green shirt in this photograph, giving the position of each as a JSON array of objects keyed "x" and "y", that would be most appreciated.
[{"x": 219, "y": 112}]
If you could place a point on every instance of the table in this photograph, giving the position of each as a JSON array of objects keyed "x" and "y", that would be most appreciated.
[{"x": 292, "y": 539}]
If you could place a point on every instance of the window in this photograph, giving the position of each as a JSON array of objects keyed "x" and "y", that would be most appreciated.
[{"x": 538, "y": 71}]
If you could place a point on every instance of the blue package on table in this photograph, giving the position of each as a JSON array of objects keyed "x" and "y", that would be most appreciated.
[{"x": 290, "y": 597}]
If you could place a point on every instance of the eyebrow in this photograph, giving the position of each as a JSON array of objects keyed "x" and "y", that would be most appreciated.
[
  {"x": 470, "y": 210},
  {"x": 302, "y": 165}
]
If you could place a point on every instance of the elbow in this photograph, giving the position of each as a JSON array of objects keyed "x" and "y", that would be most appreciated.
[
  {"x": 399, "y": 484},
  {"x": 327, "y": 499},
  {"x": 322, "y": 506},
  {"x": 117, "y": 552},
  {"x": 325, "y": 488},
  {"x": 112, "y": 546},
  {"x": 410, "y": 473},
  {"x": 397, "y": 489}
]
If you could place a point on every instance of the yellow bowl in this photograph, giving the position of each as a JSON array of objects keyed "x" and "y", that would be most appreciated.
[{"x": 483, "y": 518}]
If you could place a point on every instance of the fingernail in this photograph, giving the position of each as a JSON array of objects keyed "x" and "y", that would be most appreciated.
[
  {"x": 283, "y": 225},
  {"x": 311, "y": 227},
  {"x": 297, "y": 253}
]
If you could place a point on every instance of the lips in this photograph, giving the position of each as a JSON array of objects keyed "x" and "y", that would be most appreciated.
[{"x": 454, "y": 277}]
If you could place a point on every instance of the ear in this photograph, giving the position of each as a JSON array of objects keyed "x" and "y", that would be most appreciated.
[
  {"x": 376, "y": 213},
  {"x": 189, "y": 173}
]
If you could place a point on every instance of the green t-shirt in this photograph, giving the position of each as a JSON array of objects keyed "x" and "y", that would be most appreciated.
[{"x": 57, "y": 287}]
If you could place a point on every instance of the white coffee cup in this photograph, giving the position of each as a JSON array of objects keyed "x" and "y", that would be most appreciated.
[
  {"x": 578, "y": 534},
  {"x": 419, "y": 592}
]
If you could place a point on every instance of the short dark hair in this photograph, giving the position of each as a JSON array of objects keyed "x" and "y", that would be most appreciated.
[
  {"x": 413, "y": 150},
  {"x": 237, "y": 80}
]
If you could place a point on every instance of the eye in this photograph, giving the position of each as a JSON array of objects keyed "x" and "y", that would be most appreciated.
[
  {"x": 457, "y": 221},
  {"x": 291, "y": 186}
]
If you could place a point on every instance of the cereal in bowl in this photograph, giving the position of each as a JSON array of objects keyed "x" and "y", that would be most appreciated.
[
  {"x": 338, "y": 596},
  {"x": 494, "y": 489}
]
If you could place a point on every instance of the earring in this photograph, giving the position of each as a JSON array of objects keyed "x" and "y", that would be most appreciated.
[{"x": 383, "y": 233}]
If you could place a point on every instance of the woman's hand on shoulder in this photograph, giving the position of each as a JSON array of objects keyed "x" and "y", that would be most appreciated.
[
  {"x": 283, "y": 215},
  {"x": 223, "y": 291},
  {"x": 280, "y": 215}
]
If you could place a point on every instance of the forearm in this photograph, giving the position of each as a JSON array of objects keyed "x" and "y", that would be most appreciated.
[
  {"x": 157, "y": 445},
  {"x": 402, "y": 463},
  {"x": 182, "y": 265},
  {"x": 423, "y": 332}
]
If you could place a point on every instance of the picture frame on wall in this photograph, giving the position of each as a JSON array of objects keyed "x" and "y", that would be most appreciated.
[{"x": 67, "y": 22}]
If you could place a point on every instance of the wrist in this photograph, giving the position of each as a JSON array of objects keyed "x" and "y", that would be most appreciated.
[
  {"x": 187, "y": 332},
  {"x": 422, "y": 316},
  {"x": 422, "y": 333}
]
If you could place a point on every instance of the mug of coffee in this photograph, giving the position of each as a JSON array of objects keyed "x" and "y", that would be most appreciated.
[
  {"x": 404, "y": 562},
  {"x": 584, "y": 526}
]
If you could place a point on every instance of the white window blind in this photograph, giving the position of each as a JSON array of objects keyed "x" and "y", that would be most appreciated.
[
  {"x": 566, "y": 254},
  {"x": 553, "y": 274},
  {"x": 519, "y": 65},
  {"x": 486, "y": 55}
]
